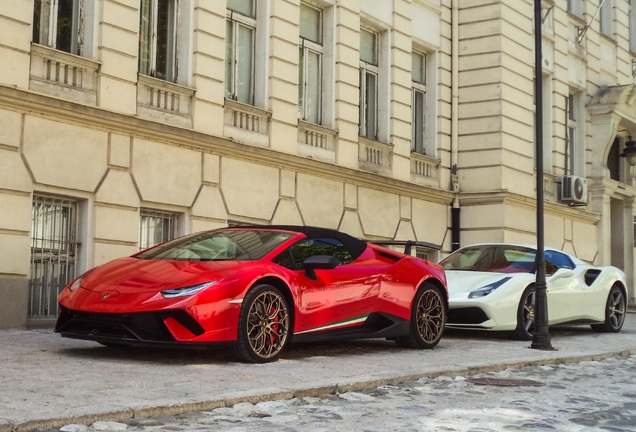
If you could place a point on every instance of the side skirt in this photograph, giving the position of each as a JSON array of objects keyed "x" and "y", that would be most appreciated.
[{"x": 377, "y": 325}]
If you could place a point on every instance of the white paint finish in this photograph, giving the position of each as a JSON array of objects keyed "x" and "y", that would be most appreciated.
[
  {"x": 13, "y": 173},
  {"x": 320, "y": 200},
  {"x": 287, "y": 213},
  {"x": 65, "y": 155},
  {"x": 381, "y": 10},
  {"x": 119, "y": 154},
  {"x": 19, "y": 218},
  {"x": 425, "y": 25},
  {"x": 246, "y": 198},
  {"x": 379, "y": 212},
  {"x": 166, "y": 174},
  {"x": 430, "y": 221},
  {"x": 209, "y": 203},
  {"x": 116, "y": 224},
  {"x": 15, "y": 254},
  {"x": 117, "y": 188},
  {"x": 10, "y": 125}
]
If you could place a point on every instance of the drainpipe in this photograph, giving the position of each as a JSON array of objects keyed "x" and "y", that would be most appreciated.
[{"x": 455, "y": 227}]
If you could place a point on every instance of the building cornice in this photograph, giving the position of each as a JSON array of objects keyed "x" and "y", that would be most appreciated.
[
  {"x": 507, "y": 198},
  {"x": 65, "y": 111}
]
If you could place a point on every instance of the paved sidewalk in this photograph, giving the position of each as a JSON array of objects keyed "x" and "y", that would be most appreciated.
[{"x": 47, "y": 381}]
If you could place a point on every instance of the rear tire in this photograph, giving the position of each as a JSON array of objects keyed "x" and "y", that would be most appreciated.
[
  {"x": 614, "y": 312},
  {"x": 428, "y": 317},
  {"x": 525, "y": 315},
  {"x": 263, "y": 326}
]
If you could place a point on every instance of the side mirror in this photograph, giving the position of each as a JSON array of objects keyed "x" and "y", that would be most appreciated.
[{"x": 319, "y": 262}]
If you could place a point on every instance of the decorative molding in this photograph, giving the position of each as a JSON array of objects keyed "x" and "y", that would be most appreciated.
[
  {"x": 246, "y": 123},
  {"x": 375, "y": 156},
  {"x": 317, "y": 142},
  {"x": 164, "y": 101},
  {"x": 63, "y": 75}
]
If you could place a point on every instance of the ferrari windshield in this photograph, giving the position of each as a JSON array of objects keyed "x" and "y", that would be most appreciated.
[
  {"x": 221, "y": 245},
  {"x": 492, "y": 258}
]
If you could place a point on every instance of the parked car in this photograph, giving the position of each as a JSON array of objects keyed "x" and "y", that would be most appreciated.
[
  {"x": 256, "y": 289},
  {"x": 491, "y": 287}
]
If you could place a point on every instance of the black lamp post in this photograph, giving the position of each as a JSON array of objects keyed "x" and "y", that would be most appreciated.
[{"x": 541, "y": 337}]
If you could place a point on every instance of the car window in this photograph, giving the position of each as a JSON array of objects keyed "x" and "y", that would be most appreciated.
[
  {"x": 492, "y": 258},
  {"x": 294, "y": 257},
  {"x": 218, "y": 246},
  {"x": 556, "y": 260}
]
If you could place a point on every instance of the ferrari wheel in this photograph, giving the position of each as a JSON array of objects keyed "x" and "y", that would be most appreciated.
[
  {"x": 525, "y": 315},
  {"x": 428, "y": 317},
  {"x": 263, "y": 327},
  {"x": 614, "y": 312}
]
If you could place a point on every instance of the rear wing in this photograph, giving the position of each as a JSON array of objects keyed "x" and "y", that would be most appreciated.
[{"x": 408, "y": 244}]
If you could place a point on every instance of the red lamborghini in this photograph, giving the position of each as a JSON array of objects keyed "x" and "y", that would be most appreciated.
[{"x": 256, "y": 289}]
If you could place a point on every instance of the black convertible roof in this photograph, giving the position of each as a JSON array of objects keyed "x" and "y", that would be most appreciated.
[{"x": 356, "y": 246}]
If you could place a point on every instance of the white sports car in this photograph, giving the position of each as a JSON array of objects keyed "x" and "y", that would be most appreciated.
[{"x": 491, "y": 287}]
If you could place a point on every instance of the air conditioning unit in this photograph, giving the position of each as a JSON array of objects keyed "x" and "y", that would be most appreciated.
[{"x": 574, "y": 190}]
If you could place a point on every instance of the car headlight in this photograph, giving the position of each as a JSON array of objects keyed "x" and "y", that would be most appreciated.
[
  {"x": 485, "y": 290},
  {"x": 76, "y": 284},
  {"x": 186, "y": 291}
]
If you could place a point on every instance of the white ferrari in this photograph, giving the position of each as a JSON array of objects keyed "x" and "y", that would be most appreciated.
[{"x": 491, "y": 287}]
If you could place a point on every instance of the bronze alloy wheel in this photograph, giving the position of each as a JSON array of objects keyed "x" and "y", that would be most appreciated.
[
  {"x": 267, "y": 324},
  {"x": 430, "y": 316}
]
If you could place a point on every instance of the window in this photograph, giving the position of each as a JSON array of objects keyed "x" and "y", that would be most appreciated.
[
  {"x": 53, "y": 249},
  {"x": 368, "y": 126},
  {"x": 56, "y": 24},
  {"x": 156, "y": 227},
  {"x": 558, "y": 260},
  {"x": 157, "y": 39},
  {"x": 574, "y": 7},
  {"x": 606, "y": 17},
  {"x": 573, "y": 152},
  {"x": 239, "y": 50},
  {"x": 418, "y": 76},
  {"x": 310, "y": 65},
  {"x": 294, "y": 257}
]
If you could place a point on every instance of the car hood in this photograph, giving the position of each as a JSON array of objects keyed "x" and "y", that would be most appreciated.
[
  {"x": 135, "y": 276},
  {"x": 462, "y": 281}
]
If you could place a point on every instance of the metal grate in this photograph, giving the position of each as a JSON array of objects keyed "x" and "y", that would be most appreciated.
[
  {"x": 53, "y": 248},
  {"x": 614, "y": 161},
  {"x": 156, "y": 227}
]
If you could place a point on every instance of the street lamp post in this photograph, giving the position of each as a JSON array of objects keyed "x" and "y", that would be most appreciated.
[{"x": 541, "y": 337}]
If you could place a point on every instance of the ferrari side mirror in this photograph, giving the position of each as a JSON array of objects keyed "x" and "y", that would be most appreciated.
[{"x": 319, "y": 262}]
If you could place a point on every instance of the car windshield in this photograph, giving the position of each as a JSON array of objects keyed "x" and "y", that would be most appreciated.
[
  {"x": 492, "y": 258},
  {"x": 222, "y": 245}
]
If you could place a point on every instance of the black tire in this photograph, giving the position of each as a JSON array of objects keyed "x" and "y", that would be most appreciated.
[
  {"x": 428, "y": 317},
  {"x": 525, "y": 315},
  {"x": 262, "y": 336},
  {"x": 615, "y": 308}
]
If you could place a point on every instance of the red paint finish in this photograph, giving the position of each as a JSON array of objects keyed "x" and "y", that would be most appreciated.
[{"x": 372, "y": 283}]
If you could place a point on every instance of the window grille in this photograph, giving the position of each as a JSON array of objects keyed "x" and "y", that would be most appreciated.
[
  {"x": 53, "y": 249},
  {"x": 156, "y": 227}
]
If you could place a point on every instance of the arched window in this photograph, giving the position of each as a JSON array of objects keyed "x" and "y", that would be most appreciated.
[{"x": 613, "y": 161}]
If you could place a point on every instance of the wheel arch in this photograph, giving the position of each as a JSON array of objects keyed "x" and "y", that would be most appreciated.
[
  {"x": 284, "y": 289},
  {"x": 437, "y": 283}
]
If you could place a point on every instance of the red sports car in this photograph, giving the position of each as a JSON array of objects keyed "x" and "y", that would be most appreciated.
[{"x": 256, "y": 289}]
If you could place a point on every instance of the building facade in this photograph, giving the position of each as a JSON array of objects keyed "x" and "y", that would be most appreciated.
[{"x": 124, "y": 123}]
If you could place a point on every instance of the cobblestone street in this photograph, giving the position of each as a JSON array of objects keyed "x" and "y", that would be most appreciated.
[{"x": 588, "y": 396}]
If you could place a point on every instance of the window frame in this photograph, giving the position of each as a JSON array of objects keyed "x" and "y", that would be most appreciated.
[
  {"x": 419, "y": 87},
  {"x": 631, "y": 25},
  {"x": 236, "y": 20},
  {"x": 298, "y": 266},
  {"x": 48, "y": 37},
  {"x": 575, "y": 7},
  {"x": 306, "y": 46},
  {"x": 172, "y": 37},
  {"x": 574, "y": 126},
  {"x": 367, "y": 69},
  {"x": 606, "y": 18}
]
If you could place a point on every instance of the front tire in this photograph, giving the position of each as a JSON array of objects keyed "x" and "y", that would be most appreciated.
[
  {"x": 264, "y": 325},
  {"x": 525, "y": 315},
  {"x": 614, "y": 312},
  {"x": 428, "y": 317}
]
